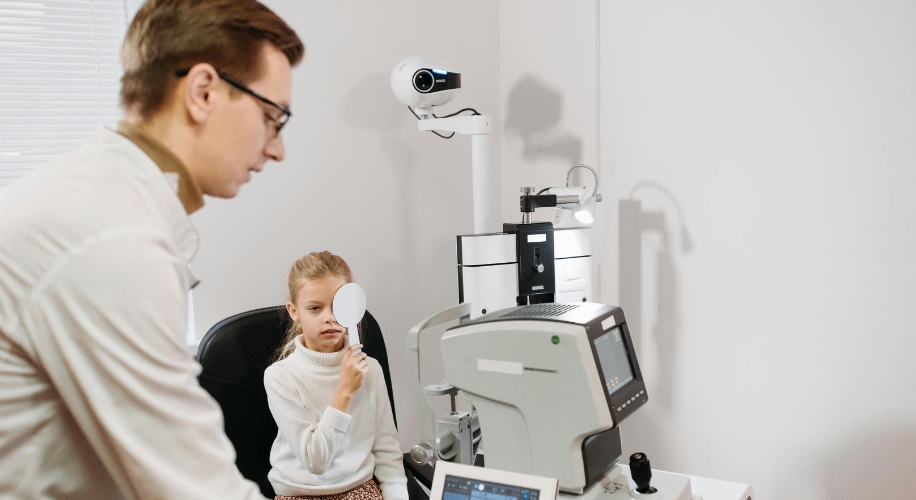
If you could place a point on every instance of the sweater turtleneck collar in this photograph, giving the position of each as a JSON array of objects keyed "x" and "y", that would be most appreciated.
[{"x": 319, "y": 361}]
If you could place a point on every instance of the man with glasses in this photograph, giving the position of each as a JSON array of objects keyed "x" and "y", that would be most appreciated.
[{"x": 98, "y": 395}]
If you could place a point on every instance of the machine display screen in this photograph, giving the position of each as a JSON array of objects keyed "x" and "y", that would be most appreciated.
[
  {"x": 462, "y": 488},
  {"x": 614, "y": 360}
]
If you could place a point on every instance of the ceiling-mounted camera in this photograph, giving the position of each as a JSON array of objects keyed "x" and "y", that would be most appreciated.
[{"x": 424, "y": 81}]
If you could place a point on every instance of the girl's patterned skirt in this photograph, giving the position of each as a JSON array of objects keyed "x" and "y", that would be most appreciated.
[{"x": 366, "y": 491}]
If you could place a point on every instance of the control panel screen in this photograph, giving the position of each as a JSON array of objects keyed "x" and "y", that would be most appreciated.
[
  {"x": 614, "y": 360},
  {"x": 462, "y": 488}
]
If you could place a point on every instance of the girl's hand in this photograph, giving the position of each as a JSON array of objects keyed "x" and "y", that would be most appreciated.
[
  {"x": 352, "y": 373},
  {"x": 354, "y": 369}
]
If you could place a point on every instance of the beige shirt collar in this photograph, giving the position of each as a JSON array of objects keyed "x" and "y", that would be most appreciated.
[{"x": 189, "y": 192}]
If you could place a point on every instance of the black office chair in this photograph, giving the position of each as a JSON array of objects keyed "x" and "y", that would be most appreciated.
[{"x": 234, "y": 354}]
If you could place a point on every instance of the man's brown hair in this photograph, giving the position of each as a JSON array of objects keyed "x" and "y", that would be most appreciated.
[{"x": 169, "y": 35}]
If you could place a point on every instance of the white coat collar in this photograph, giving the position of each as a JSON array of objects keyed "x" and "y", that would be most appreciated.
[{"x": 162, "y": 189}]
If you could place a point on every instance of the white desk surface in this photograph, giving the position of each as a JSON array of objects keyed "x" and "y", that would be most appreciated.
[{"x": 709, "y": 489}]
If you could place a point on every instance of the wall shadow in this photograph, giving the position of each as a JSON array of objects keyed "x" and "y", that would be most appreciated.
[
  {"x": 533, "y": 116},
  {"x": 371, "y": 106},
  {"x": 664, "y": 329}
]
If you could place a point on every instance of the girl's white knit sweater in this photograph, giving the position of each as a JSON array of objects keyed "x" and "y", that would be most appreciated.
[{"x": 320, "y": 450}]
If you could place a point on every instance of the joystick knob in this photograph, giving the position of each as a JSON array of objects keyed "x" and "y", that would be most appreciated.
[{"x": 641, "y": 472}]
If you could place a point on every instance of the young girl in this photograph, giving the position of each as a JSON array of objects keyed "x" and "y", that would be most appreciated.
[{"x": 331, "y": 406}]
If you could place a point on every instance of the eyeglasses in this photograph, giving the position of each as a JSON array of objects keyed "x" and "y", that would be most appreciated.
[{"x": 235, "y": 83}]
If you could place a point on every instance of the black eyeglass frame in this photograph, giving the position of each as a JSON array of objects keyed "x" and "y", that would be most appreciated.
[{"x": 239, "y": 85}]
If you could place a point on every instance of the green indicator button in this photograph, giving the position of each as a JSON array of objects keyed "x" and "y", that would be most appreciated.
[{"x": 555, "y": 340}]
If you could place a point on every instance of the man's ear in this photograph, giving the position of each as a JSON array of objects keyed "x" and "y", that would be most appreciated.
[
  {"x": 291, "y": 309},
  {"x": 200, "y": 83}
]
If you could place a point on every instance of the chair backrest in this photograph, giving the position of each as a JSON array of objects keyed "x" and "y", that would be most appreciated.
[{"x": 233, "y": 355}]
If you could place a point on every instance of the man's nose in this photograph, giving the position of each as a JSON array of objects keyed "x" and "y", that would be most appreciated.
[{"x": 274, "y": 149}]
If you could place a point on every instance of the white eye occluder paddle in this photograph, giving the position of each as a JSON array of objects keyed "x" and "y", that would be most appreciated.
[{"x": 349, "y": 307}]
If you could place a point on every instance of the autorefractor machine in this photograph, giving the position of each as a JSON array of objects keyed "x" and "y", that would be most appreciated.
[{"x": 549, "y": 383}]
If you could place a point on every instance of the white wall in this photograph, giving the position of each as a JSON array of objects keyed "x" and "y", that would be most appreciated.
[
  {"x": 358, "y": 178},
  {"x": 547, "y": 69},
  {"x": 777, "y": 338}
]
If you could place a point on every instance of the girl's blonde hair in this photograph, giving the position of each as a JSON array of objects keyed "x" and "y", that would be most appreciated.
[{"x": 314, "y": 266}]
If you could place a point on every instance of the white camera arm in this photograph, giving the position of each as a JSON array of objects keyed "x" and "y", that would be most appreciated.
[{"x": 478, "y": 127}]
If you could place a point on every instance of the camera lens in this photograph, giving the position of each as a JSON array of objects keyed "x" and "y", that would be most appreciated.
[{"x": 423, "y": 80}]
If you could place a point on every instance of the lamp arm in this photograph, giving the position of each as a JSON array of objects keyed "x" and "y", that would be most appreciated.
[{"x": 581, "y": 165}]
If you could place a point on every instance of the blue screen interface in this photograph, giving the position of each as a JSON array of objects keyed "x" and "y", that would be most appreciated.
[
  {"x": 614, "y": 360},
  {"x": 462, "y": 488}
]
